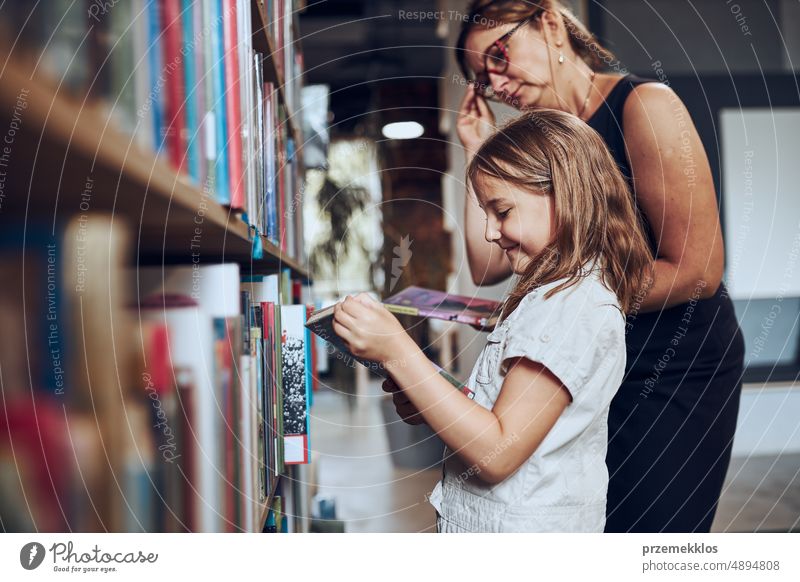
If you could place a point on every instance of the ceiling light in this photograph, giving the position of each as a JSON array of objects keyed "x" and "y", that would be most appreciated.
[{"x": 402, "y": 130}]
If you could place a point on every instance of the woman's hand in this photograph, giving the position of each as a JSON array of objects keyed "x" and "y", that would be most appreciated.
[
  {"x": 475, "y": 121},
  {"x": 370, "y": 331},
  {"x": 407, "y": 411}
]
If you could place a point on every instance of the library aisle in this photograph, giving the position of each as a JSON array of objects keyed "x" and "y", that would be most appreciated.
[{"x": 355, "y": 466}]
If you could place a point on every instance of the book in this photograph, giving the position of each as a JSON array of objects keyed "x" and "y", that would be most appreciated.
[
  {"x": 183, "y": 79},
  {"x": 296, "y": 383},
  {"x": 233, "y": 103},
  {"x": 321, "y": 323},
  {"x": 192, "y": 66},
  {"x": 175, "y": 90},
  {"x": 197, "y": 306},
  {"x": 422, "y": 302}
]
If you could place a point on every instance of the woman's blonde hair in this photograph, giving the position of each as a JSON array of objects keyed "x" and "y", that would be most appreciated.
[
  {"x": 556, "y": 153},
  {"x": 490, "y": 13}
]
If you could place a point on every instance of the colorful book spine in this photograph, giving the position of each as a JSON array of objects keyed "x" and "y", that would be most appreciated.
[
  {"x": 190, "y": 70},
  {"x": 175, "y": 91},
  {"x": 222, "y": 170},
  {"x": 155, "y": 103},
  {"x": 233, "y": 103}
]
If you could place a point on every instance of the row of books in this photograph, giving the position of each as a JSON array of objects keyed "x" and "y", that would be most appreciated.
[
  {"x": 252, "y": 415},
  {"x": 282, "y": 14},
  {"x": 182, "y": 77},
  {"x": 187, "y": 389}
]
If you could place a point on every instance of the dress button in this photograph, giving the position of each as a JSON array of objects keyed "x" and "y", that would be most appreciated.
[{"x": 545, "y": 338}]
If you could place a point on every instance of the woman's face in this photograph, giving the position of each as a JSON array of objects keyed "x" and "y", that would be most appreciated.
[{"x": 527, "y": 81}]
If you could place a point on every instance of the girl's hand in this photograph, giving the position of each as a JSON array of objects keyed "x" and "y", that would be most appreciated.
[
  {"x": 369, "y": 330},
  {"x": 475, "y": 121},
  {"x": 407, "y": 411}
]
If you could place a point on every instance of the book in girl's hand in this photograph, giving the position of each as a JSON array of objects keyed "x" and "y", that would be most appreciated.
[
  {"x": 421, "y": 302},
  {"x": 440, "y": 305},
  {"x": 321, "y": 323}
]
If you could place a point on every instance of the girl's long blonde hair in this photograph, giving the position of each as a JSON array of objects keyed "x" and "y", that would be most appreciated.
[{"x": 595, "y": 219}]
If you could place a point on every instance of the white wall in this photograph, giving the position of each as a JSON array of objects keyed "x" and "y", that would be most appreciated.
[{"x": 768, "y": 421}]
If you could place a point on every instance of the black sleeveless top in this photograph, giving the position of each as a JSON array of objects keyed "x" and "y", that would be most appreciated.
[{"x": 648, "y": 334}]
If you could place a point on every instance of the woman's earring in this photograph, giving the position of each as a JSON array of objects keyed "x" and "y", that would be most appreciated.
[{"x": 560, "y": 58}]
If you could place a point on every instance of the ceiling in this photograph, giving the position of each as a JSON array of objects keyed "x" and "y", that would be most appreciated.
[{"x": 355, "y": 45}]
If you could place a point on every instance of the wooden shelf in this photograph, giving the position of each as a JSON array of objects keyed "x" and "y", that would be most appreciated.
[{"x": 67, "y": 158}]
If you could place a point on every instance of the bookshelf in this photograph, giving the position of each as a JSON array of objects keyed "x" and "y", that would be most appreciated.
[
  {"x": 69, "y": 140},
  {"x": 70, "y": 160}
]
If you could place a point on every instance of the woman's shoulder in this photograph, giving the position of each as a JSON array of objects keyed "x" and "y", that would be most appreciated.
[{"x": 648, "y": 102}]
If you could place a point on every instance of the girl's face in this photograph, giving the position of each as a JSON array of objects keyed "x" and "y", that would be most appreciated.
[
  {"x": 527, "y": 80},
  {"x": 521, "y": 222}
]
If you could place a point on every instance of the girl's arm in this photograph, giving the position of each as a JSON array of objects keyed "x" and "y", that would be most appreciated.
[
  {"x": 494, "y": 442},
  {"x": 675, "y": 190}
]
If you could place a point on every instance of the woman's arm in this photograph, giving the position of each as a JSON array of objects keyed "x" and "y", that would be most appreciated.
[
  {"x": 675, "y": 190},
  {"x": 492, "y": 442},
  {"x": 487, "y": 262}
]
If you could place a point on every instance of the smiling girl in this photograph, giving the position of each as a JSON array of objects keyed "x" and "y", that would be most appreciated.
[{"x": 528, "y": 453}]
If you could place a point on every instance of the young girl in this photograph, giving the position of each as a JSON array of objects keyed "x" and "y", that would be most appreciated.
[{"x": 530, "y": 448}]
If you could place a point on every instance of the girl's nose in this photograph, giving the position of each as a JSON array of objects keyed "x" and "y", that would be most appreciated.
[{"x": 492, "y": 233}]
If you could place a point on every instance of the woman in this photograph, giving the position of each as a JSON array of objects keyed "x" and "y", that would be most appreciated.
[{"x": 671, "y": 425}]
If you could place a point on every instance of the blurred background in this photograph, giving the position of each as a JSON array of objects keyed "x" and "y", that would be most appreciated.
[{"x": 734, "y": 64}]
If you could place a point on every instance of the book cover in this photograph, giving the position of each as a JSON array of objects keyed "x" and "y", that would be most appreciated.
[
  {"x": 321, "y": 323},
  {"x": 295, "y": 384},
  {"x": 423, "y": 302}
]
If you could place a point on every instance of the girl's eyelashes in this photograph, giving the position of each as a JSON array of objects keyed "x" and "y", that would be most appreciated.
[{"x": 504, "y": 213}]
